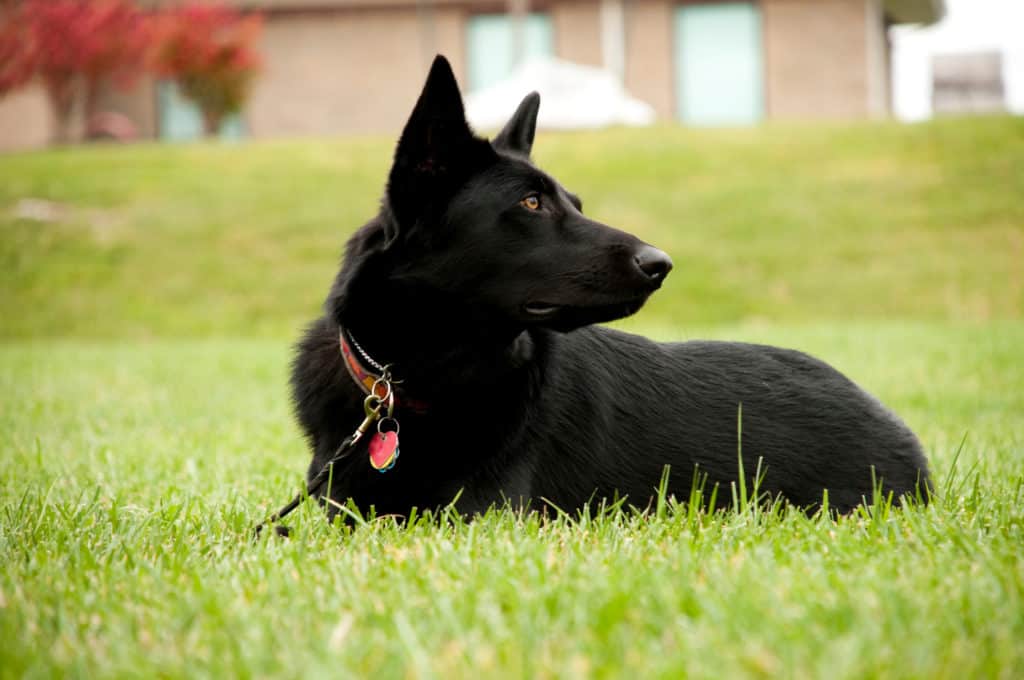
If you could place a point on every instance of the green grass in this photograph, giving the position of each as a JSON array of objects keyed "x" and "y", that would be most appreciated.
[{"x": 145, "y": 424}]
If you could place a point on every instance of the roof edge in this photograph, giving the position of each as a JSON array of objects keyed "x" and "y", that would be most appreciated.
[{"x": 915, "y": 11}]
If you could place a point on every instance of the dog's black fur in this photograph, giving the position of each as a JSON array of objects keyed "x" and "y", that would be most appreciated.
[{"x": 484, "y": 303}]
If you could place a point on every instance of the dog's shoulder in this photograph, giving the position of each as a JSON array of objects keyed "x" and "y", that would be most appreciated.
[{"x": 594, "y": 363}]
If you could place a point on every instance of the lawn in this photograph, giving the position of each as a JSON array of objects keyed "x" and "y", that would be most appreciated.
[{"x": 145, "y": 424}]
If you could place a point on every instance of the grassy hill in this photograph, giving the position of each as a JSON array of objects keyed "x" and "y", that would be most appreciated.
[
  {"x": 776, "y": 223},
  {"x": 148, "y": 299}
]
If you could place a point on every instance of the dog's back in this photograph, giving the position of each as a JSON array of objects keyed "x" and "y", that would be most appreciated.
[{"x": 621, "y": 407}]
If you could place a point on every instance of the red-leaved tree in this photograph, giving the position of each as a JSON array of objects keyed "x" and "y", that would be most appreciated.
[
  {"x": 73, "y": 46},
  {"x": 17, "y": 53},
  {"x": 211, "y": 51}
]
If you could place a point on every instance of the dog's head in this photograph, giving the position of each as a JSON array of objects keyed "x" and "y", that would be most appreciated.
[{"x": 479, "y": 222}]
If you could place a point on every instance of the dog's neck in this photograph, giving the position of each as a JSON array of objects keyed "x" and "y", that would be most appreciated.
[{"x": 436, "y": 347}]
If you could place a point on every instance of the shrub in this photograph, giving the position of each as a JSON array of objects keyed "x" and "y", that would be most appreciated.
[
  {"x": 73, "y": 46},
  {"x": 210, "y": 51}
]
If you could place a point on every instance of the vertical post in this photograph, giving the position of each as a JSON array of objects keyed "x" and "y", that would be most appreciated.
[
  {"x": 875, "y": 60},
  {"x": 518, "y": 11},
  {"x": 613, "y": 37}
]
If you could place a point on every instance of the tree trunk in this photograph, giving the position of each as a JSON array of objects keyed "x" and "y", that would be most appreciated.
[
  {"x": 62, "y": 92},
  {"x": 92, "y": 100},
  {"x": 211, "y": 123}
]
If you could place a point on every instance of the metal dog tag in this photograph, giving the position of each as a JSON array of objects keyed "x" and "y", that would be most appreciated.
[{"x": 384, "y": 450}]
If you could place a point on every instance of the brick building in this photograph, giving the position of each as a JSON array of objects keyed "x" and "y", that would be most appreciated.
[{"x": 340, "y": 66}]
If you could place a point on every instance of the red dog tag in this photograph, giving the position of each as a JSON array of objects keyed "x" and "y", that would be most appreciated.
[{"x": 383, "y": 450}]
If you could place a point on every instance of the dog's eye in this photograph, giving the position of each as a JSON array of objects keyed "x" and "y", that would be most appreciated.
[{"x": 531, "y": 202}]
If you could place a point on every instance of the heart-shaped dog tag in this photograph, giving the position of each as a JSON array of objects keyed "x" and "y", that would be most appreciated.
[{"x": 383, "y": 450}]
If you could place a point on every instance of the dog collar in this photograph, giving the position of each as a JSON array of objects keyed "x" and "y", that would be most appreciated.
[{"x": 370, "y": 380}]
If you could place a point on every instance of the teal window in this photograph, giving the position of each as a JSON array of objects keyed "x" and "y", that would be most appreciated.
[
  {"x": 180, "y": 120},
  {"x": 719, "y": 64},
  {"x": 492, "y": 45}
]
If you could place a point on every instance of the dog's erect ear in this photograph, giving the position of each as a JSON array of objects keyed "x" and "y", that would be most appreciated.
[
  {"x": 518, "y": 133},
  {"x": 436, "y": 152}
]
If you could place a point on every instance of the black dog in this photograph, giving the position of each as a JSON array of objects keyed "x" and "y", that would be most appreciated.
[{"x": 477, "y": 284}]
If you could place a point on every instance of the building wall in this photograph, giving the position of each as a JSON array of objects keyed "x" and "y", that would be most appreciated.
[
  {"x": 816, "y": 59},
  {"x": 356, "y": 70},
  {"x": 649, "y": 66},
  {"x": 347, "y": 69},
  {"x": 25, "y": 119},
  {"x": 822, "y": 58},
  {"x": 577, "y": 31}
]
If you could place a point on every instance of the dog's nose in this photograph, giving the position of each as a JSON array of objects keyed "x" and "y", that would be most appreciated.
[{"x": 655, "y": 263}]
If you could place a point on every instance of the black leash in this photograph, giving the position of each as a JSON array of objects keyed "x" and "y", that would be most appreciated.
[
  {"x": 378, "y": 407},
  {"x": 311, "y": 488}
]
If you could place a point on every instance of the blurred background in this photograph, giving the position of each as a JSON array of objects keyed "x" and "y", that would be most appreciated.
[{"x": 126, "y": 69}]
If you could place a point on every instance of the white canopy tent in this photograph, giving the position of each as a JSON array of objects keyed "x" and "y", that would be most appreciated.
[{"x": 572, "y": 97}]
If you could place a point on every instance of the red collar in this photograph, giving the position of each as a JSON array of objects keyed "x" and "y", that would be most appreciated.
[{"x": 366, "y": 379}]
